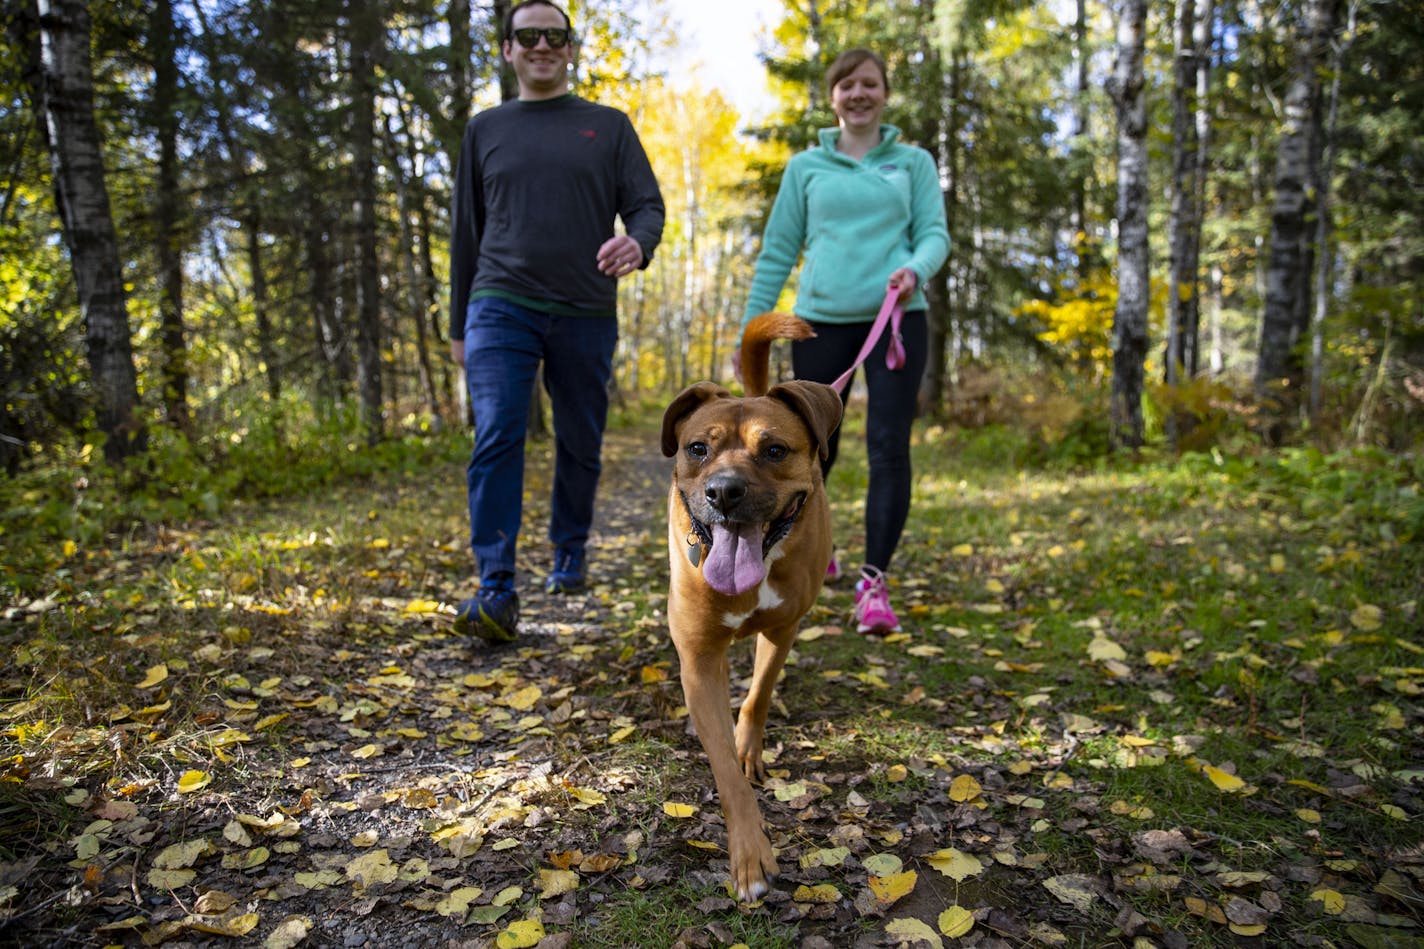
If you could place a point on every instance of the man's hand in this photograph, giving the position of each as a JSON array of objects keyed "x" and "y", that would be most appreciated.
[
  {"x": 619, "y": 256},
  {"x": 457, "y": 351},
  {"x": 903, "y": 282}
]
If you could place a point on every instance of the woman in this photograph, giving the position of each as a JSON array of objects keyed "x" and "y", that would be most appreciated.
[{"x": 868, "y": 212}]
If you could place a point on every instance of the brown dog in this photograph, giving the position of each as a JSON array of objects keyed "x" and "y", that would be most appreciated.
[{"x": 749, "y": 539}]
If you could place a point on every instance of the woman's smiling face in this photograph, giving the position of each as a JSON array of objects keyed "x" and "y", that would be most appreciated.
[{"x": 859, "y": 98}]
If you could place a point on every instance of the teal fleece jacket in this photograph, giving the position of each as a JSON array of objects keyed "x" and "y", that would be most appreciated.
[{"x": 858, "y": 222}]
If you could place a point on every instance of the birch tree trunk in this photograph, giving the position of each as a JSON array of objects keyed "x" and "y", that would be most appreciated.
[
  {"x": 63, "y": 90},
  {"x": 1188, "y": 179},
  {"x": 1130, "y": 317},
  {"x": 1280, "y": 363}
]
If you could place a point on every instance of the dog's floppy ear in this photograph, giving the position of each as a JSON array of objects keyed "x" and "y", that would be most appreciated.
[
  {"x": 687, "y": 402},
  {"x": 818, "y": 405}
]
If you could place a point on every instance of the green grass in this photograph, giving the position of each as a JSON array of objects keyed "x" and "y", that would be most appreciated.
[{"x": 1081, "y": 641}]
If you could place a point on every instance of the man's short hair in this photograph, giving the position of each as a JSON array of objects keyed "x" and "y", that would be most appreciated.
[{"x": 508, "y": 25}]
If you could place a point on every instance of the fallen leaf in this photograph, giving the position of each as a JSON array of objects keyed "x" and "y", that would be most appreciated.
[
  {"x": 678, "y": 810},
  {"x": 155, "y": 676},
  {"x": 888, "y": 889},
  {"x": 1075, "y": 889},
  {"x": 913, "y": 930},
  {"x": 820, "y": 893},
  {"x": 556, "y": 882},
  {"x": 191, "y": 781},
  {"x": 521, "y": 935},
  {"x": 1332, "y": 902},
  {"x": 1224, "y": 780},
  {"x": 956, "y": 865},
  {"x": 955, "y": 921},
  {"x": 289, "y": 933}
]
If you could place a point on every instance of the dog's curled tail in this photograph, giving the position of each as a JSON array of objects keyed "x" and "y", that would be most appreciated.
[{"x": 757, "y": 337}]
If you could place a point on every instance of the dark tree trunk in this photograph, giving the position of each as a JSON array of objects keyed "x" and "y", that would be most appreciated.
[
  {"x": 168, "y": 226},
  {"x": 366, "y": 33}
]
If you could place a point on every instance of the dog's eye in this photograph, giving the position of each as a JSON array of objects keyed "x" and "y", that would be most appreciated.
[
  {"x": 775, "y": 452},
  {"x": 697, "y": 449}
]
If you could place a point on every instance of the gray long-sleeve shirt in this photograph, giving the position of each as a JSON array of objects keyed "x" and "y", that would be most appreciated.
[{"x": 538, "y": 188}]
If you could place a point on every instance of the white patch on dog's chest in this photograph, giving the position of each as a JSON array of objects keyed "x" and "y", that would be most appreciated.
[{"x": 767, "y": 598}]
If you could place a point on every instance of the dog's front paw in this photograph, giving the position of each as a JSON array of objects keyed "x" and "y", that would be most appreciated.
[
  {"x": 753, "y": 865},
  {"x": 749, "y": 749}
]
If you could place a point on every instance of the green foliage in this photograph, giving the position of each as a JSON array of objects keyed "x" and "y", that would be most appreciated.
[{"x": 73, "y": 499}]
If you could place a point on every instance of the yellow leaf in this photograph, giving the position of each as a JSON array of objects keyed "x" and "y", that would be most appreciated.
[
  {"x": 896, "y": 773},
  {"x": 1331, "y": 901},
  {"x": 820, "y": 893},
  {"x": 523, "y": 699},
  {"x": 192, "y": 781},
  {"x": 422, "y": 606},
  {"x": 367, "y": 751},
  {"x": 915, "y": 929},
  {"x": 1224, "y": 780},
  {"x": 888, "y": 889},
  {"x": 289, "y": 933},
  {"x": 1392, "y": 810},
  {"x": 228, "y": 926},
  {"x": 1248, "y": 929},
  {"x": 521, "y": 935},
  {"x": 556, "y": 882},
  {"x": 678, "y": 810},
  {"x": 155, "y": 675},
  {"x": 621, "y": 734},
  {"x": 507, "y": 895},
  {"x": 956, "y": 921},
  {"x": 962, "y": 550},
  {"x": 1308, "y": 815},
  {"x": 161, "y": 879},
  {"x": 1367, "y": 617},
  {"x": 371, "y": 869},
  {"x": 654, "y": 674},
  {"x": 457, "y": 902},
  {"x": 956, "y": 865},
  {"x": 588, "y": 797},
  {"x": 964, "y": 788}
]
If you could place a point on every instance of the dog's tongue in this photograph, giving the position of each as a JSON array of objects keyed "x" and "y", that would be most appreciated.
[{"x": 734, "y": 563}]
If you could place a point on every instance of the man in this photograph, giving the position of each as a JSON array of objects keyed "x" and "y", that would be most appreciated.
[{"x": 534, "y": 268}]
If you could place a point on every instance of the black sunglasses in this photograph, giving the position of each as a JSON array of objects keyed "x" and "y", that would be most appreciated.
[{"x": 528, "y": 36}]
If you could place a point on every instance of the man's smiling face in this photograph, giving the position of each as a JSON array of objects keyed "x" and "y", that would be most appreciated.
[{"x": 542, "y": 71}]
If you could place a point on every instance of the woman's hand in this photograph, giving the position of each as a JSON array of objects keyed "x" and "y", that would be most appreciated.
[{"x": 903, "y": 282}]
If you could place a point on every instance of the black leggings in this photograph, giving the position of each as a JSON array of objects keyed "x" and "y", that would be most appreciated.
[{"x": 890, "y": 411}]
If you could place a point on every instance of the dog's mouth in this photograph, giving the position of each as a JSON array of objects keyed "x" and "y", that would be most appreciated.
[{"x": 735, "y": 552}]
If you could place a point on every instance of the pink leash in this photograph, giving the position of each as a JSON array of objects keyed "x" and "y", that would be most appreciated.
[{"x": 890, "y": 312}]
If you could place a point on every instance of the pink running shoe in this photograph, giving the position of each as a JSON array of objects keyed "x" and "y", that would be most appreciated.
[
  {"x": 833, "y": 570},
  {"x": 873, "y": 615}
]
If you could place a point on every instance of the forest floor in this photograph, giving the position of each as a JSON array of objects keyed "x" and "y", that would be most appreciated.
[{"x": 1154, "y": 706}]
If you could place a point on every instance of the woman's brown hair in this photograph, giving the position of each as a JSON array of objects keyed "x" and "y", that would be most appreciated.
[{"x": 849, "y": 61}]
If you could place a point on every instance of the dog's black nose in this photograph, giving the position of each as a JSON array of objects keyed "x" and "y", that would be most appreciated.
[{"x": 725, "y": 491}]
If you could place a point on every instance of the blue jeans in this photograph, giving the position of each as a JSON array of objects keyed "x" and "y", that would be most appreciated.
[{"x": 504, "y": 344}]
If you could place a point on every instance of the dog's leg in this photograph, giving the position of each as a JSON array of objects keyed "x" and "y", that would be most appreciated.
[
  {"x": 705, "y": 686},
  {"x": 771, "y": 650}
]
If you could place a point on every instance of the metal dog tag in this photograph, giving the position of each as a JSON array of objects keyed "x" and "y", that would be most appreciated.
[{"x": 694, "y": 552}]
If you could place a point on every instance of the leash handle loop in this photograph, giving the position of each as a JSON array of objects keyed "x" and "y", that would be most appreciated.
[{"x": 891, "y": 313}]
